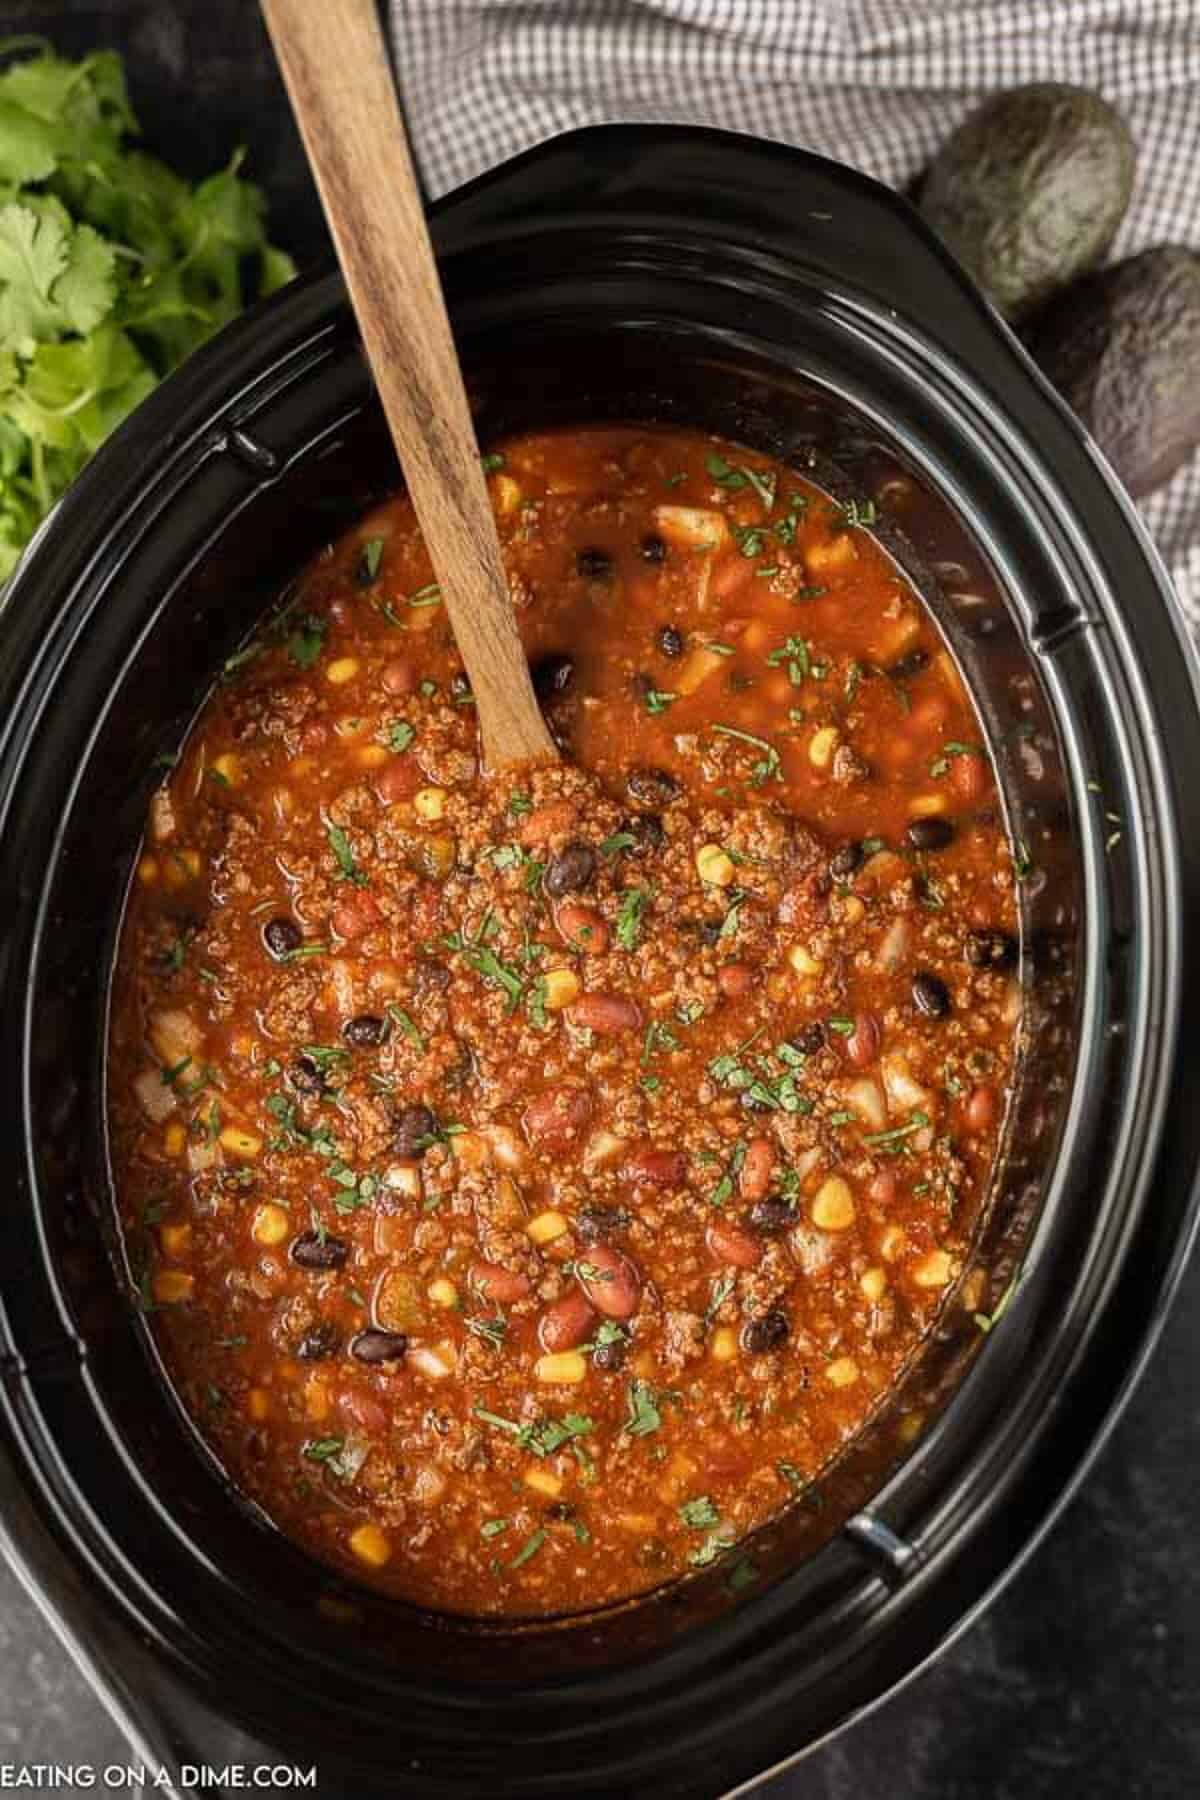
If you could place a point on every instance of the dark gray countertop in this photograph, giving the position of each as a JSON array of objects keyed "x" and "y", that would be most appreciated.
[{"x": 1083, "y": 1678}]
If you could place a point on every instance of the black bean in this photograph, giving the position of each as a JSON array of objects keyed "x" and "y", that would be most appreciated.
[
  {"x": 669, "y": 640},
  {"x": 770, "y": 1216},
  {"x": 460, "y": 686},
  {"x": 653, "y": 548},
  {"x": 809, "y": 1039},
  {"x": 365, "y": 1031},
  {"x": 553, "y": 675},
  {"x": 930, "y": 995},
  {"x": 595, "y": 1223},
  {"x": 710, "y": 930},
  {"x": 318, "y": 1250},
  {"x": 595, "y": 565},
  {"x": 768, "y": 1332},
  {"x": 319, "y": 1343},
  {"x": 990, "y": 949},
  {"x": 374, "y": 1346},
  {"x": 610, "y": 1356},
  {"x": 415, "y": 1130},
  {"x": 646, "y": 830},
  {"x": 651, "y": 787},
  {"x": 282, "y": 936},
  {"x": 843, "y": 862},
  {"x": 929, "y": 834},
  {"x": 909, "y": 665},
  {"x": 571, "y": 871},
  {"x": 304, "y": 1075}
]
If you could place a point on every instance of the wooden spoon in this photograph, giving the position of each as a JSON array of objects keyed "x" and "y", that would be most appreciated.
[{"x": 335, "y": 66}]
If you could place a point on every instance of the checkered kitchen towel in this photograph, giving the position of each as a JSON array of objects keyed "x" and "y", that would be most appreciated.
[{"x": 875, "y": 83}]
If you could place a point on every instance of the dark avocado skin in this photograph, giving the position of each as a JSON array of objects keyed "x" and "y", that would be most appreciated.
[
  {"x": 1030, "y": 190},
  {"x": 1123, "y": 349}
]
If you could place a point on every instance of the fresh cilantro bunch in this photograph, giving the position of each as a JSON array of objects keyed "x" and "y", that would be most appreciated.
[{"x": 112, "y": 270}]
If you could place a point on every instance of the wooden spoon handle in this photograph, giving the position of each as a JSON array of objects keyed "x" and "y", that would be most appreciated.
[{"x": 335, "y": 66}]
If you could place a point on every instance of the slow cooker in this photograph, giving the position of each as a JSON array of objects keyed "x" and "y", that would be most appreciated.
[{"x": 654, "y": 274}]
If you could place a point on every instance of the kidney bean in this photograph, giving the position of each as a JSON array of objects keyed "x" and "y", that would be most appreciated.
[
  {"x": 498, "y": 1284},
  {"x": 583, "y": 928},
  {"x": 882, "y": 1188},
  {"x": 981, "y": 1108},
  {"x": 553, "y": 675},
  {"x": 767, "y": 1332},
  {"x": 365, "y": 1031},
  {"x": 729, "y": 1244},
  {"x": 281, "y": 936},
  {"x": 568, "y": 1323},
  {"x": 931, "y": 833},
  {"x": 758, "y": 1165},
  {"x": 354, "y": 915},
  {"x": 862, "y": 1046},
  {"x": 398, "y": 780},
  {"x": 736, "y": 980},
  {"x": 608, "y": 1015},
  {"x": 651, "y": 787},
  {"x": 546, "y": 822},
  {"x": 570, "y": 871},
  {"x": 610, "y": 1281},
  {"x": 969, "y": 778},
  {"x": 398, "y": 677},
  {"x": 648, "y": 1167},
  {"x": 554, "y": 1118},
  {"x": 375, "y": 1346},
  {"x": 415, "y": 1128},
  {"x": 314, "y": 1250},
  {"x": 930, "y": 994}
]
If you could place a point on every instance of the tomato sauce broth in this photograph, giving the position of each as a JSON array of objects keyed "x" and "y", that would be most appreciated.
[{"x": 533, "y": 1182}]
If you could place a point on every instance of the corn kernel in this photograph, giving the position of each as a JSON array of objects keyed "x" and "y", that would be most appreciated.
[
  {"x": 892, "y": 1242},
  {"x": 372, "y": 756},
  {"x": 822, "y": 745},
  {"x": 429, "y": 803},
  {"x": 227, "y": 767},
  {"x": 270, "y": 1225},
  {"x": 316, "y": 1400},
  {"x": 506, "y": 496},
  {"x": 443, "y": 1292},
  {"x": 833, "y": 1205},
  {"x": 258, "y": 1404},
  {"x": 842, "y": 1373},
  {"x": 546, "y": 1227},
  {"x": 176, "y": 1240},
  {"x": 371, "y": 1546},
  {"x": 933, "y": 1270},
  {"x": 724, "y": 1344},
  {"x": 567, "y": 1366},
  {"x": 562, "y": 987},
  {"x": 925, "y": 806},
  {"x": 172, "y": 1286},
  {"x": 175, "y": 1139},
  {"x": 853, "y": 909},
  {"x": 714, "y": 865},
  {"x": 543, "y": 1482},
  {"x": 803, "y": 961},
  {"x": 240, "y": 1142},
  {"x": 147, "y": 870},
  {"x": 341, "y": 670},
  {"x": 874, "y": 1285}
]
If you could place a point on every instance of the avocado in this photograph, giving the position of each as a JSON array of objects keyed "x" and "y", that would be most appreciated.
[
  {"x": 1030, "y": 189},
  {"x": 1123, "y": 349}
]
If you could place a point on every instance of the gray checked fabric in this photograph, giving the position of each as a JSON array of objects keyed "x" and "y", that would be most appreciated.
[{"x": 875, "y": 83}]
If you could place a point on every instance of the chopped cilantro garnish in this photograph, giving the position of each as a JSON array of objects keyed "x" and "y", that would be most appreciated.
[
  {"x": 529, "y": 1548},
  {"x": 493, "y": 461},
  {"x": 644, "y": 1415},
  {"x": 734, "y": 476},
  {"x": 304, "y": 643},
  {"x": 657, "y": 701},
  {"x": 348, "y": 869},
  {"x": 634, "y": 902},
  {"x": 700, "y": 1514},
  {"x": 768, "y": 767},
  {"x": 400, "y": 735},
  {"x": 399, "y": 1017},
  {"x": 430, "y": 595},
  {"x": 369, "y": 560}
]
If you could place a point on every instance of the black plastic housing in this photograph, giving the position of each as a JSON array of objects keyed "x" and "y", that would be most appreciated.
[{"x": 653, "y": 274}]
